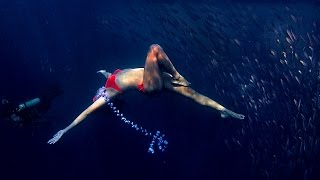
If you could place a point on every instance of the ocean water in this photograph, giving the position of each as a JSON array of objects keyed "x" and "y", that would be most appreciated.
[{"x": 258, "y": 58}]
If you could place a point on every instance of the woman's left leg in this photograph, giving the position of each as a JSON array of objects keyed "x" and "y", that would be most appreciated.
[{"x": 200, "y": 99}]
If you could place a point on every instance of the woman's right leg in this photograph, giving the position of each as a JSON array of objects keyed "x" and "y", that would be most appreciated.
[{"x": 156, "y": 62}]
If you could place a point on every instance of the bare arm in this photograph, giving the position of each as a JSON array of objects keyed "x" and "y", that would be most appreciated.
[{"x": 98, "y": 103}]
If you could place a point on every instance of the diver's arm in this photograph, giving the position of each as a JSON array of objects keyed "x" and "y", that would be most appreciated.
[{"x": 98, "y": 103}]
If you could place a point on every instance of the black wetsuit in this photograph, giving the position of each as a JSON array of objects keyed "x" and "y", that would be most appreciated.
[{"x": 29, "y": 114}]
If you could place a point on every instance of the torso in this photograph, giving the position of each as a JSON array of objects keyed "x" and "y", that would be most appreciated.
[{"x": 130, "y": 78}]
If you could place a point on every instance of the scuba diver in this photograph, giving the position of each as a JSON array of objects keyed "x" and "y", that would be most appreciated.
[
  {"x": 157, "y": 75},
  {"x": 28, "y": 112}
]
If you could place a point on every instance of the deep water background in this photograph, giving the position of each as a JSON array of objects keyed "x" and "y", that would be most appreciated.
[{"x": 256, "y": 58}]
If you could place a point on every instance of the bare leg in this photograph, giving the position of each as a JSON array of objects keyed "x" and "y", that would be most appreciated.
[
  {"x": 201, "y": 99},
  {"x": 157, "y": 62}
]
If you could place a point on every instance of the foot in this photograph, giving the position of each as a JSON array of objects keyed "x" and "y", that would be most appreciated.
[
  {"x": 180, "y": 80},
  {"x": 227, "y": 113}
]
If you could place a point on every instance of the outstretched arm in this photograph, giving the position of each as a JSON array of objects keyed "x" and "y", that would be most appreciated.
[{"x": 98, "y": 103}]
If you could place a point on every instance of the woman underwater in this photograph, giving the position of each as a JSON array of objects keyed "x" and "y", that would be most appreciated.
[{"x": 158, "y": 74}]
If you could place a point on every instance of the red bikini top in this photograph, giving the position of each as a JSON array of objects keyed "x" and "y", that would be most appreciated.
[{"x": 111, "y": 81}]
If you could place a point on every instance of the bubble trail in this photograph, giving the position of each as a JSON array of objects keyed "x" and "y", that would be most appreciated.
[{"x": 157, "y": 138}]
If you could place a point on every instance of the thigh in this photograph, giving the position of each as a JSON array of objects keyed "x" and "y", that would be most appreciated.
[{"x": 152, "y": 78}]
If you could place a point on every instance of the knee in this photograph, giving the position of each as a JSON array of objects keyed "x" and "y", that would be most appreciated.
[{"x": 155, "y": 48}]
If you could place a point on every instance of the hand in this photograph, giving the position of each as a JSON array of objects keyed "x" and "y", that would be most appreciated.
[{"x": 56, "y": 137}]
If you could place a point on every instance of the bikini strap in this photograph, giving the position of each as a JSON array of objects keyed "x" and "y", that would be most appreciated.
[{"x": 141, "y": 87}]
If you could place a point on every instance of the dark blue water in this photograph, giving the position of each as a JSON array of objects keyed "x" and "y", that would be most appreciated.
[{"x": 260, "y": 59}]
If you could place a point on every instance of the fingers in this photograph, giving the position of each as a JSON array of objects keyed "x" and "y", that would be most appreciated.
[
  {"x": 56, "y": 137},
  {"x": 52, "y": 141}
]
